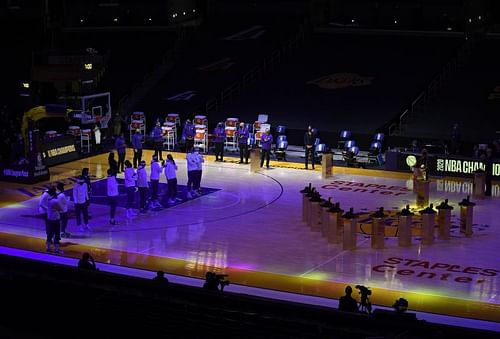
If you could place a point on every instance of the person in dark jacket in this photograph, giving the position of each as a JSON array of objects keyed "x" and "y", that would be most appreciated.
[
  {"x": 137, "y": 146},
  {"x": 347, "y": 303},
  {"x": 188, "y": 133},
  {"x": 121, "y": 149},
  {"x": 242, "y": 134},
  {"x": 266, "y": 142},
  {"x": 158, "y": 140},
  {"x": 220, "y": 138},
  {"x": 309, "y": 139},
  {"x": 113, "y": 165}
]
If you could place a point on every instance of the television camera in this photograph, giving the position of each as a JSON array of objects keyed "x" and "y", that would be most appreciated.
[{"x": 364, "y": 305}]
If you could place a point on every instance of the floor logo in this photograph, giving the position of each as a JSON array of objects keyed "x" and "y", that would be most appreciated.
[{"x": 341, "y": 80}]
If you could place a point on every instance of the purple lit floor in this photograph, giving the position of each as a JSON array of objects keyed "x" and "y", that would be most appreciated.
[{"x": 253, "y": 222}]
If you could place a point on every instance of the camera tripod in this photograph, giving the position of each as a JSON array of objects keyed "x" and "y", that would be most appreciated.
[{"x": 365, "y": 305}]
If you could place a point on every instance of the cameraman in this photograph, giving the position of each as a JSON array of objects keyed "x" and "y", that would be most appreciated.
[{"x": 212, "y": 281}]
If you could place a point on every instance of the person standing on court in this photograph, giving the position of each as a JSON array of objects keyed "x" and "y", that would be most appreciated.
[
  {"x": 54, "y": 218},
  {"x": 86, "y": 178},
  {"x": 142, "y": 184},
  {"x": 43, "y": 205},
  {"x": 266, "y": 142},
  {"x": 188, "y": 133},
  {"x": 112, "y": 192},
  {"x": 158, "y": 140},
  {"x": 155, "y": 178},
  {"x": 63, "y": 202},
  {"x": 130, "y": 177},
  {"x": 242, "y": 134},
  {"x": 137, "y": 146},
  {"x": 199, "y": 169},
  {"x": 219, "y": 139},
  {"x": 80, "y": 196},
  {"x": 192, "y": 166},
  {"x": 121, "y": 149},
  {"x": 113, "y": 165},
  {"x": 309, "y": 139},
  {"x": 171, "y": 175}
]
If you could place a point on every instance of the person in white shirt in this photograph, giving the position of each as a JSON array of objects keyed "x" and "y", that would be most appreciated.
[
  {"x": 43, "y": 206},
  {"x": 142, "y": 184},
  {"x": 199, "y": 168},
  {"x": 155, "y": 178},
  {"x": 112, "y": 192},
  {"x": 130, "y": 177},
  {"x": 192, "y": 167},
  {"x": 63, "y": 201},
  {"x": 171, "y": 175},
  {"x": 80, "y": 197},
  {"x": 54, "y": 218}
]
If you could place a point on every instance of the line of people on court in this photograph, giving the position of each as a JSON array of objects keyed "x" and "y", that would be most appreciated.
[{"x": 53, "y": 208}]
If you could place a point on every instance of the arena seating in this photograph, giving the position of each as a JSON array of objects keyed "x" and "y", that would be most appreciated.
[
  {"x": 65, "y": 300},
  {"x": 471, "y": 98}
]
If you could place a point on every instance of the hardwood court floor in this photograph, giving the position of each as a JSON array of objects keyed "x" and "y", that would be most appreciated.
[{"x": 250, "y": 227}]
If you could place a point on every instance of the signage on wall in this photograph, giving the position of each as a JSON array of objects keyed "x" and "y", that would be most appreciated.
[
  {"x": 461, "y": 166},
  {"x": 59, "y": 151}
]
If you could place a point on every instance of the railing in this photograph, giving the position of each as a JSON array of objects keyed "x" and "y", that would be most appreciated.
[
  {"x": 268, "y": 65},
  {"x": 435, "y": 85}
]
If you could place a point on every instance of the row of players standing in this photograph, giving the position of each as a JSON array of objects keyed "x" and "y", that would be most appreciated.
[{"x": 138, "y": 179}]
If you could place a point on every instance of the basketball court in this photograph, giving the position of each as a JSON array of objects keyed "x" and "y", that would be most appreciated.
[{"x": 249, "y": 225}]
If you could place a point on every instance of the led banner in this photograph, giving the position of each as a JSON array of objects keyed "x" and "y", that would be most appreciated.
[
  {"x": 25, "y": 173},
  {"x": 441, "y": 165},
  {"x": 59, "y": 151}
]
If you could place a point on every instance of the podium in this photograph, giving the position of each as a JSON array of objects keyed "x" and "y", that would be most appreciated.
[
  {"x": 326, "y": 165},
  {"x": 305, "y": 202},
  {"x": 404, "y": 227},
  {"x": 422, "y": 190},
  {"x": 479, "y": 184},
  {"x": 325, "y": 207},
  {"x": 466, "y": 216},
  {"x": 255, "y": 160},
  {"x": 428, "y": 221},
  {"x": 335, "y": 225},
  {"x": 444, "y": 220},
  {"x": 378, "y": 229},
  {"x": 350, "y": 221}
]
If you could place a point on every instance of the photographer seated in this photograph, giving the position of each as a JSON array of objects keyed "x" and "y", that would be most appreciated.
[
  {"x": 347, "y": 303},
  {"x": 213, "y": 280},
  {"x": 87, "y": 262}
]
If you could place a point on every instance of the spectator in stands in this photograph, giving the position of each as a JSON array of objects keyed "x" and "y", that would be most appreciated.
[
  {"x": 456, "y": 139},
  {"x": 347, "y": 303},
  {"x": 112, "y": 192},
  {"x": 158, "y": 141},
  {"x": 54, "y": 220},
  {"x": 160, "y": 278},
  {"x": 219, "y": 138},
  {"x": 266, "y": 141},
  {"x": 63, "y": 201},
  {"x": 121, "y": 149},
  {"x": 188, "y": 133},
  {"x": 80, "y": 196},
  {"x": 137, "y": 146},
  {"x": 113, "y": 165},
  {"x": 87, "y": 262},
  {"x": 242, "y": 134},
  {"x": 171, "y": 175},
  {"x": 309, "y": 139},
  {"x": 130, "y": 177},
  {"x": 142, "y": 185}
]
